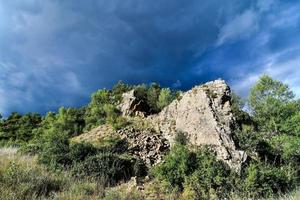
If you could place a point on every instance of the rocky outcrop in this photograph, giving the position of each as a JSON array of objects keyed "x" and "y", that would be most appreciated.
[
  {"x": 131, "y": 105},
  {"x": 204, "y": 114},
  {"x": 145, "y": 144}
]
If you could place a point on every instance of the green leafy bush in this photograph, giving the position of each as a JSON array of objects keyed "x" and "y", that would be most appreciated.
[
  {"x": 197, "y": 171},
  {"x": 210, "y": 178},
  {"x": 78, "y": 152},
  {"x": 177, "y": 165},
  {"x": 263, "y": 180},
  {"x": 106, "y": 167},
  {"x": 55, "y": 151}
]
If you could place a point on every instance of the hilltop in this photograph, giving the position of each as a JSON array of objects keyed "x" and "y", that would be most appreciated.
[{"x": 198, "y": 144}]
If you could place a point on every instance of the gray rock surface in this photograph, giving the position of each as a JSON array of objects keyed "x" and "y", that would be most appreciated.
[
  {"x": 204, "y": 114},
  {"x": 145, "y": 144},
  {"x": 132, "y": 106}
]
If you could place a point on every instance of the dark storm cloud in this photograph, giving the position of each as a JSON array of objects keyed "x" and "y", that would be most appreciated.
[{"x": 55, "y": 53}]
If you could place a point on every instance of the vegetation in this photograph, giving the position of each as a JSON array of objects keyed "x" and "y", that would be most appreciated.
[{"x": 61, "y": 169}]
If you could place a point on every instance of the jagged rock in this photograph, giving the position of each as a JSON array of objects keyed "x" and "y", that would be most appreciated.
[
  {"x": 204, "y": 114},
  {"x": 132, "y": 106},
  {"x": 145, "y": 144}
]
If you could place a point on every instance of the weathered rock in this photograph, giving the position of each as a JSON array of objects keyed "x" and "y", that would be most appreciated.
[
  {"x": 132, "y": 106},
  {"x": 204, "y": 114},
  {"x": 145, "y": 144}
]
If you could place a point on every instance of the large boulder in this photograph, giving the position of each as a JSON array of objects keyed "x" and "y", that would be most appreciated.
[
  {"x": 204, "y": 114},
  {"x": 131, "y": 105}
]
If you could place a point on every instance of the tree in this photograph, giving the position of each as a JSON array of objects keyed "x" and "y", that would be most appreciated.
[
  {"x": 152, "y": 97},
  {"x": 118, "y": 90},
  {"x": 165, "y": 98},
  {"x": 95, "y": 113},
  {"x": 71, "y": 120},
  {"x": 17, "y": 129},
  {"x": 268, "y": 100}
]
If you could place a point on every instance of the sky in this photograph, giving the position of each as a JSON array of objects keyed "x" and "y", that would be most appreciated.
[{"x": 57, "y": 52}]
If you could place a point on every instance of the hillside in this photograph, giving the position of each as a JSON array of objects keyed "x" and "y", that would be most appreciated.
[{"x": 148, "y": 142}]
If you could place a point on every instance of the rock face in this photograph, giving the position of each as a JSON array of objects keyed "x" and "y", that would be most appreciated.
[
  {"x": 132, "y": 106},
  {"x": 204, "y": 114}
]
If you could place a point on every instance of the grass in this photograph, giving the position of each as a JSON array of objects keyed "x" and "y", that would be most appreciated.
[{"x": 21, "y": 178}]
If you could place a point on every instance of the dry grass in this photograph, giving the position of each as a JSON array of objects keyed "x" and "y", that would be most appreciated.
[
  {"x": 21, "y": 178},
  {"x": 73, "y": 189}
]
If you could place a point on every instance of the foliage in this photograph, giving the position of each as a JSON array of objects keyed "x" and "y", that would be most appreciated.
[
  {"x": 211, "y": 177},
  {"x": 177, "y": 165},
  {"x": 95, "y": 113},
  {"x": 269, "y": 102},
  {"x": 269, "y": 133},
  {"x": 18, "y": 129},
  {"x": 196, "y": 171},
  {"x": 78, "y": 152},
  {"x": 71, "y": 120},
  {"x": 165, "y": 98},
  {"x": 237, "y": 106},
  {"x": 292, "y": 124},
  {"x": 102, "y": 108},
  {"x": 288, "y": 146},
  {"x": 118, "y": 90},
  {"x": 55, "y": 150},
  {"x": 264, "y": 180},
  {"x": 27, "y": 183},
  {"x": 107, "y": 167}
]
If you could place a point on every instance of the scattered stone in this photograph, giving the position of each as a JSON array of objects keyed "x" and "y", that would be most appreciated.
[{"x": 145, "y": 144}]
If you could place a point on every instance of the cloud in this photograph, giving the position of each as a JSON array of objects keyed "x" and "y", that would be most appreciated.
[
  {"x": 55, "y": 53},
  {"x": 240, "y": 26}
]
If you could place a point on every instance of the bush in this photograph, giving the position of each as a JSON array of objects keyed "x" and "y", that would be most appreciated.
[
  {"x": 211, "y": 178},
  {"x": 80, "y": 151},
  {"x": 177, "y": 165},
  {"x": 55, "y": 151},
  {"x": 107, "y": 167},
  {"x": 264, "y": 180},
  {"x": 198, "y": 173},
  {"x": 112, "y": 144}
]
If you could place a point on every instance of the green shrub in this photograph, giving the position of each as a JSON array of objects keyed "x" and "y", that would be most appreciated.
[
  {"x": 55, "y": 151},
  {"x": 177, "y": 165},
  {"x": 107, "y": 167},
  {"x": 166, "y": 96},
  {"x": 112, "y": 145},
  {"x": 211, "y": 178},
  {"x": 80, "y": 151},
  {"x": 198, "y": 173},
  {"x": 264, "y": 180}
]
